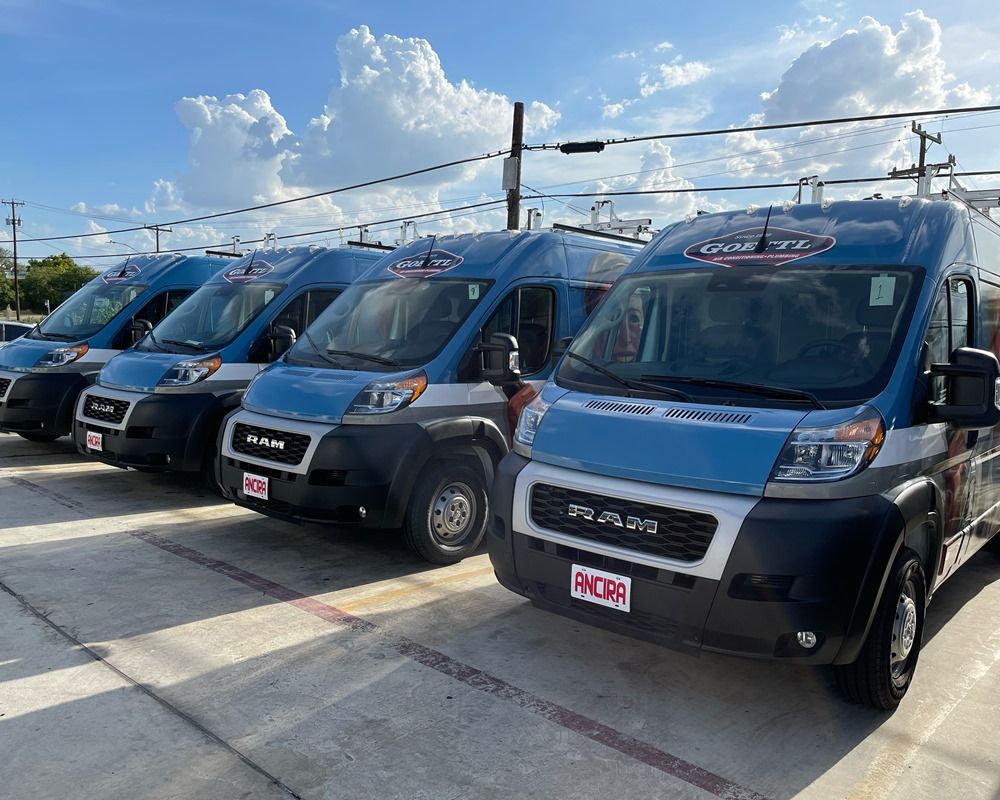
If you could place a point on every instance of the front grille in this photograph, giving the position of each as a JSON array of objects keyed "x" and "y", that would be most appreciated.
[
  {"x": 4, "y": 386},
  {"x": 269, "y": 444},
  {"x": 105, "y": 409},
  {"x": 681, "y": 535}
]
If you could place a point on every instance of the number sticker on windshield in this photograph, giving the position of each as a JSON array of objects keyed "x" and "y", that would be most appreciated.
[{"x": 882, "y": 291}]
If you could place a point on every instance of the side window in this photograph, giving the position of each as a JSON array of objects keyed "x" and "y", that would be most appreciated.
[
  {"x": 948, "y": 329},
  {"x": 293, "y": 315},
  {"x": 319, "y": 299},
  {"x": 527, "y": 314},
  {"x": 175, "y": 298},
  {"x": 152, "y": 313}
]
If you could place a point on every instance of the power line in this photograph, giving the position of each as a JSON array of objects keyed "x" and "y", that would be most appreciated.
[
  {"x": 259, "y": 207},
  {"x": 769, "y": 127},
  {"x": 342, "y": 228}
]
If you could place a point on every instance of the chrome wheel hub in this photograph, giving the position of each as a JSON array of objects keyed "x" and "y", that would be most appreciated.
[
  {"x": 904, "y": 629},
  {"x": 453, "y": 512}
]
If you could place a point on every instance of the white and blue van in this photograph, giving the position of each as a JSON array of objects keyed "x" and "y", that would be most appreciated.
[
  {"x": 394, "y": 407},
  {"x": 776, "y": 437},
  {"x": 159, "y": 405},
  {"x": 43, "y": 372}
]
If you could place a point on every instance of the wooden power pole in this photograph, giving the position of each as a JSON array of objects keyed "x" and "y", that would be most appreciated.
[{"x": 512, "y": 170}]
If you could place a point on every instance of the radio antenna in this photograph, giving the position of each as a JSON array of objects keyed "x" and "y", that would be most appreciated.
[
  {"x": 762, "y": 244},
  {"x": 253, "y": 255}
]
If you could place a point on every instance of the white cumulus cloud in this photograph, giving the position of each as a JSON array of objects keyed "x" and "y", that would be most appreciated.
[{"x": 672, "y": 76}]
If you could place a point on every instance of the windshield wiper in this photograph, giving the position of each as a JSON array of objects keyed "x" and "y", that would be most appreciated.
[
  {"x": 196, "y": 347},
  {"x": 59, "y": 337},
  {"x": 319, "y": 351},
  {"x": 364, "y": 356},
  {"x": 627, "y": 382},
  {"x": 750, "y": 388}
]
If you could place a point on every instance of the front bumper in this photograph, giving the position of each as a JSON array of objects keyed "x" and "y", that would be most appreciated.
[
  {"x": 158, "y": 431},
  {"x": 345, "y": 468},
  {"x": 794, "y": 566},
  {"x": 40, "y": 402}
]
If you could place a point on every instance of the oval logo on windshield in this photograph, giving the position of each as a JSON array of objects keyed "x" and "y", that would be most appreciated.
[
  {"x": 741, "y": 247},
  {"x": 425, "y": 264},
  {"x": 248, "y": 273},
  {"x": 120, "y": 274}
]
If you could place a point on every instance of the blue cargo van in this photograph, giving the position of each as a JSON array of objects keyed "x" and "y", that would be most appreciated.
[
  {"x": 776, "y": 437},
  {"x": 159, "y": 405},
  {"x": 43, "y": 372},
  {"x": 394, "y": 407}
]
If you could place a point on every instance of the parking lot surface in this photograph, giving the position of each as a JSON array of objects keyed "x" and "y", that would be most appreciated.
[{"x": 156, "y": 642}]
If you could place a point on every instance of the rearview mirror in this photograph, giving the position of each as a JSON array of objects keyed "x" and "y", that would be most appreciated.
[
  {"x": 140, "y": 327},
  {"x": 973, "y": 390},
  {"x": 282, "y": 338},
  {"x": 501, "y": 361}
]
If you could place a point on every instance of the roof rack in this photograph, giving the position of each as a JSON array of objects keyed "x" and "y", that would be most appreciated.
[
  {"x": 372, "y": 245},
  {"x": 558, "y": 226},
  {"x": 223, "y": 253}
]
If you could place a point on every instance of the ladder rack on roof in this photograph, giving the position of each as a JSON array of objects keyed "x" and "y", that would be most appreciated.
[{"x": 556, "y": 226}]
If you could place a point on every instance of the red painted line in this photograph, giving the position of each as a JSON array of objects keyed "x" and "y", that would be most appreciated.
[{"x": 471, "y": 676}]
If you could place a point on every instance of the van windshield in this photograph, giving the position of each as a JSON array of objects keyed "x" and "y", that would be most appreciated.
[
  {"x": 86, "y": 312},
  {"x": 827, "y": 334},
  {"x": 388, "y": 324},
  {"x": 211, "y": 317}
]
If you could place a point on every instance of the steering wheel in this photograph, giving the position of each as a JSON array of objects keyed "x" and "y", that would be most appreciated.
[{"x": 835, "y": 347}]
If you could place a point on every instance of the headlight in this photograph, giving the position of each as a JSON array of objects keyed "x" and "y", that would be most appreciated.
[
  {"x": 62, "y": 356},
  {"x": 829, "y": 454},
  {"x": 381, "y": 397},
  {"x": 184, "y": 373},
  {"x": 529, "y": 420}
]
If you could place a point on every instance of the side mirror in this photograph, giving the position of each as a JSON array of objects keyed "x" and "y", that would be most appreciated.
[
  {"x": 140, "y": 327},
  {"x": 282, "y": 338},
  {"x": 501, "y": 361},
  {"x": 973, "y": 390}
]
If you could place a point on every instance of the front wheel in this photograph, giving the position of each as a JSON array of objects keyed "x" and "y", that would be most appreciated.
[
  {"x": 39, "y": 437},
  {"x": 885, "y": 667},
  {"x": 447, "y": 515}
]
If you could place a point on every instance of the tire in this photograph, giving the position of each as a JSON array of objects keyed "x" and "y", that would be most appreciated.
[
  {"x": 885, "y": 666},
  {"x": 39, "y": 437},
  {"x": 446, "y": 517},
  {"x": 208, "y": 477}
]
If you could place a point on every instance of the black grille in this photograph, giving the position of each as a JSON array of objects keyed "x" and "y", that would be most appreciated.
[
  {"x": 105, "y": 409},
  {"x": 4, "y": 385},
  {"x": 271, "y": 445},
  {"x": 681, "y": 535}
]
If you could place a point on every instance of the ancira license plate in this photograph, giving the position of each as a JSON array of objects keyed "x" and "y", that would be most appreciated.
[
  {"x": 602, "y": 588},
  {"x": 255, "y": 485},
  {"x": 95, "y": 441}
]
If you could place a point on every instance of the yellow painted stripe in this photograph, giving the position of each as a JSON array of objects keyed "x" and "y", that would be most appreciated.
[{"x": 415, "y": 588}]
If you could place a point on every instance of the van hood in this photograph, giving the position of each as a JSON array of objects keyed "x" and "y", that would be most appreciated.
[
  {"x": 717, "y": 448},
  {"x": 22, "y": 354},
  {"x": 310, "y": 393},
  {"x": 139, "y": 371}
]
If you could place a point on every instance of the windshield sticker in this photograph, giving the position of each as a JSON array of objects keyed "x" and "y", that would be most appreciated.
[
  {"x": 256, "y": 269},
  {"x": 120, "y": 274},
  {"x": 473, "y": 291},
  {"x": 741, "y": 247},
  {"x": 882, "y": 290},
  {"x": 424, "y": 265}
]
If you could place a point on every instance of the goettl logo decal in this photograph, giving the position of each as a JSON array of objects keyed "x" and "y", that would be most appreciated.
[
  {"x": 741, "y": 247},
  {"x": 257, "y": 269},
  {"x": 423, "y": 265},
  {"x": 120, "y": 274}
]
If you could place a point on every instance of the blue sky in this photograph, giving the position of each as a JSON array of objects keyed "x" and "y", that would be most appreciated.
[{"x": 95, "y": 123}]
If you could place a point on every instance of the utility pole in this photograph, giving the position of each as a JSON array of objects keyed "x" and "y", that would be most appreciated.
[
  {"x": 922, "y": 171},
  {"x": 512, "y": 170},
  {"x": 15, "y": 221},
  {"x": 157, "y": 229}
]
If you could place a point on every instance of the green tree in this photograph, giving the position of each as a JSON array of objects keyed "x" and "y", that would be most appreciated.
[
  {"x": 51, "y": 278},
  {"x": 6, "y": 281}
]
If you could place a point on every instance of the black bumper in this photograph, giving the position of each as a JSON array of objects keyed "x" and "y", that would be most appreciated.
[
  {"x": 796, "y": 566},
  {"x": 42, "y": 403},
  {"x": 354, "y": 466},
  {"x": 164, "y": 432}
]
